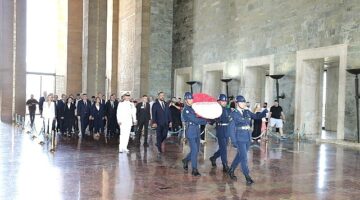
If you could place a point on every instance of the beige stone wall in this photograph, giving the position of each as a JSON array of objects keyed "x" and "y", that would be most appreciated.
[
  {"x": 126, "y": 73},
  {"x": 133, "y": 47},
  {"x": 13, "y": 54},
  {"x": 74, "y": 47},
  {"x": 115, "y": 46},
  {"x": 96, "y": 46}
]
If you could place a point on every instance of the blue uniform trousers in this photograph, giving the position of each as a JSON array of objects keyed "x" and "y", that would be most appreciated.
[
  {"x": 222, "y": 151},
  {"x": 241, "y": 157},
  {"x": 194, "y": 151}
]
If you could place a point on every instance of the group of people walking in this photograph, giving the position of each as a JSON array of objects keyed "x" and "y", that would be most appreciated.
[
  {"x": 70, "y": 115},
  {"x": 122, "y": 114},
  {"x": 234, "y": 123}
]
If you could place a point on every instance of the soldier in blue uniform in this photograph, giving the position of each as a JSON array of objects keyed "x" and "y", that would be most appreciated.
[
  {"x": 192, "y": 123},
  {"x": 241, "y": 136},
  {"x": 222, "y": 133}
]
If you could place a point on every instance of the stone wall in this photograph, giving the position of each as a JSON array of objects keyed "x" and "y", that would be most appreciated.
[
  {"x": 233, "y": 30},
  {"x": 183, "y": 33},
  {"x": 161, "y": 37}
]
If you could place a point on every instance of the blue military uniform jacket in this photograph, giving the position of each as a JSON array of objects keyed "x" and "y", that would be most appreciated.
[
  {"x": 240, "y": 124},
  {"x": 192, "y": 122},
  {"x": 223, "y": 122}
]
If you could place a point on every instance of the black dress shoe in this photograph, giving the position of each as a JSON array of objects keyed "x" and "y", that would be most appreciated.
[
  {"x": 213, "y": 161},
  {"x": 249, "y": 181},
  {"x": 185, "y": 164},
  {"x": 231, "y": 174},
  {"x": 225, "y": 168},
  {"x": 195, "y": 172}
]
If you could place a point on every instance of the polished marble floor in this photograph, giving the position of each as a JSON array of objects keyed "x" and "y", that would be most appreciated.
[{"x": 89, "y": 169}]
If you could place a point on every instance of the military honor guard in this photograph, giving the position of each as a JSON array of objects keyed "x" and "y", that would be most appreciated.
[
  {"x": 222, "y": 133},
  {"x": 192, "y": 123},
  {"x": 241, "y": 136}
]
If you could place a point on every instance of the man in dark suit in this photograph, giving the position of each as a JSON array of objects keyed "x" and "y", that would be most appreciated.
[
  {"x": 41, "y": 103},
  {"x": 143, "y": 117},
  {"x": 31, "y": 103},
  {"x": 161, "y": 119},
  {"x": 60, "y": 107},
  {"x": 102, "y": 98},
  {"x": 69, "y": 115},
  {"x": 55, "y": 123},
  {"x": 110, "y": 114},
  {"x": 83, "y": 111}
]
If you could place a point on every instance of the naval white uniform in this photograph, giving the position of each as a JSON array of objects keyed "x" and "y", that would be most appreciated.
[{"x": 126, "y": 117}]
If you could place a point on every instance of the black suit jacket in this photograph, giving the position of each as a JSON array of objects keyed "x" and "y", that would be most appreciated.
[
  {"x": 82, "y": 110},
  {"x": 41, "y": 102},
  {"x": 143, "y": 114},
  {"x": 60, "y": 108},
  {"x": 110, "y": 112},
  {"x": 159, "y": 115},
  {"x": 69, "y": 113}
]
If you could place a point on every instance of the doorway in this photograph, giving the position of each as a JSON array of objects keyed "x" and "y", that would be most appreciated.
[
  {"x": 320, "y": 87},
  {"x": 38, "y": 83},
  {"x": 320, "y": 91},
  {"x": 181, "y": 76},
  {"x": 213, "y": 85},
  {"x": 257, "y": 84},
  {"x": 329, "y": 100}
]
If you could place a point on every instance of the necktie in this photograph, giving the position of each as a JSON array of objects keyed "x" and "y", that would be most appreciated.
[
  {"x": 162, "y": 105},
  {"x": 144, "y": 105},
  {"x": 85, "y": 103},
  {"x": 112, "y": 104}
]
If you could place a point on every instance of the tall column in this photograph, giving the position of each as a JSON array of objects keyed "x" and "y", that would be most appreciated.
[
  {"x": 20, "y": 59},
  {"x": 74, "y": 47},
  {"x": 96, "y": 46},
  {"x": 144, "y": 48},
  {"x": 115, "y": 46},
  {"x": 133, "y": 57},
  {"x": 12, "y": 57},
  {"x": 6, "y": 59}
]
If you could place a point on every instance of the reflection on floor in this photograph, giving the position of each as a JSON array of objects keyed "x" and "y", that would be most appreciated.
[
  {"x": 88, "y": 169},
  {"x": 325, "y": 134}
]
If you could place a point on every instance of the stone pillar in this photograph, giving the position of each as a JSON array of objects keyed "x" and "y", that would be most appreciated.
[
  {"x": 312, "y": 95},
  {"x": 161, "y": 43},
  {"x": 145, "y": 48},
  {"x": 12, "y": 57},
  {"x": 20, "y": 59},
  {"x": 133, "y": 46},
  {"x": 331, "y": 106},
  {"x": 74, "y": 47},
  {"x": 6, "y": 58},
  {"x": 96, "y": 46},
  {"x": 115, "y": 47}
]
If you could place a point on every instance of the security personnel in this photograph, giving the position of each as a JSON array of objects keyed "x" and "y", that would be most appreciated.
[
  {"x": 222, "y": 133},
  {"x": 192, "y": 133},
  {"x": 241, "y": 136}
]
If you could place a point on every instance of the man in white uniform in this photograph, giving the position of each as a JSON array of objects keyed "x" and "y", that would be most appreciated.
[{"x": 126, "y": 117}]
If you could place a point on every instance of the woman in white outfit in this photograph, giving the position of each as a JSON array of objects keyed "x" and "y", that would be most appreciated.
[
  {"x": 48, "y": 113},
  {"x": 126, "y": 117}
]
